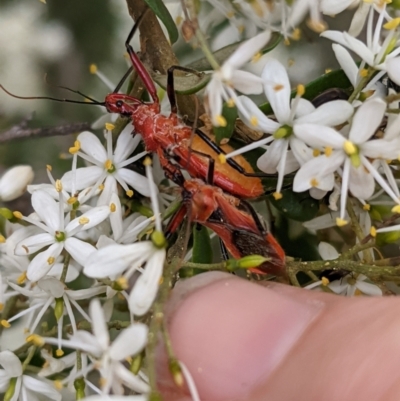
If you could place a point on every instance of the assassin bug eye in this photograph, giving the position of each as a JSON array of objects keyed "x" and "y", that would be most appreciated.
[{"x": 119, "y": 103}]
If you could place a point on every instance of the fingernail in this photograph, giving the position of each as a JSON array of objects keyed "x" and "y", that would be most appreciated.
[{"x": 232, "y": 334}]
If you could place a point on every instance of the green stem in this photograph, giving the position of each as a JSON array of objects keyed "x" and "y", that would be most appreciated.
[
  {"x": 355, "y": 249},
  {"x": 65, "y": 267},
  {"x": 29, "y": 357},
  {"x": 361, "y": 85},
  {"x": 204, "y": 266}
]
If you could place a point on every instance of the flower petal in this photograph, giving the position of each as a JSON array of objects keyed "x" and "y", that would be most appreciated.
[
  {"x": 277, "y": 89},
  {"x": 14, "y": 181},
  {"x": 84, "y": 177},
  {"x": 319, "y": 136},
  {"x": 10, "y": 363},
  {"x": 41, "y": 387},
  {"x": 135, "y": 180},
  {"x": 41, "y": 263},
  {"x": 47, "y": 209},
  {"x": 130, "y": 342},
  {"x": 32, "y": 244},
  {"x": 126, "y": 144},
  {"x": 93, "y": 217},
  {"x": 329, "y": 114},
  {"x": 79, "y": 249},
  {"x": 366, "y": 120},
  {"x": 247, "y": 83},
  {"x": 92, "y": 146},
  {"x": 99, "y": 326},
  {"x": 361, "y": 184},
  {"x": 347, "y": 63}
]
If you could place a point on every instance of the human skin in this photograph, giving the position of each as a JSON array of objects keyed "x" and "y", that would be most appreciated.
[{"x": 243, "y": 341}]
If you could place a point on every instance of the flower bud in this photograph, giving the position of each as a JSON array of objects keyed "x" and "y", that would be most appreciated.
[
  {"x": 247, "y": 262},
  {"x": 14, "y": 181}
]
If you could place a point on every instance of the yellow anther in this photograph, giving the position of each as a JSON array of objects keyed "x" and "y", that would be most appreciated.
[
  {"x": 317, "y": 25},
  {"x": 277, "y": 195},
  {"x": 314, "y": 182},
  {"x": 113, "y": 208},
  {"x": 290, "y": 62},
  {"x": 230, "y": 103},
  {"x": 286, "y": 42},
  {"x": 59, "y": 352},
  {"x": 357, "y": 293},
  {"x": 161, "y": 280},
  {"x": 372, "y": 231},
  {"x": 221, "y": 121},
  {"x": 43, "y": 1},
  {"x": 341, "y": 222},
  {"x": 35, "y": 339},
  {"x": 73, "y": 150},
  {"x": 367, "y": 207},
  {"x": 178, "y": 20},
  {"x": 5, "y": 324},
  {"x": 278, "y": 87},
  {"x": 328, "y": 70},
  {"x": 83, "y": 220},
  {"x": 102, "y": 381},
  {"x": 296, "y": 35},
  {"x": 1, "y": 306},
  {"x": 254, "y": 121},
  {"x": 316, "y": 152},
  {"x": 147, "y": 161},
  {"x": 72, "y": 200},
  {"x": 101, "y": 187},
  {"x": 108, "y": 164},
  {"x": 22, "y": 278},
  {"x": 50, "y": 260},
  {"x": 59, "y": 186},
  {"x": 93, "y": 68},
  {"x": 256, "y": 57},
  {"x": 222, "y": 158},
  {"x": 328, "y": 151},
  {"x": 58, "y": 384},
  {"x": 363, "y": 72},
  {"x": 122, "y": 282},
  {"x": 129, "y": 193},
  {"x": 109, "y": 126},
  {"x": 349, "y": 148},
  {"x": 324, "y": 281},
  {"x": 18, "y": 215},
  {"x": 230, "y": 14},
  {"x": 2, "y": 239},
  {"x": 393, "y": 24},
  {"x": 300, "y": 90},
  {"x": 396, "y": 209},
  {"x": 48, "y": 167}
]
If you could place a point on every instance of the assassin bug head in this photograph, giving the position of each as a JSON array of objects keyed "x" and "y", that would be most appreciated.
[{"x": 122, "y": 104}]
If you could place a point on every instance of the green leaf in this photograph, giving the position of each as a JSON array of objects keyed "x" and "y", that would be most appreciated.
[
  {"x": 162, "y": 12},
  {"x": 202, "y": 251},
  {"x": 230, "y": 115},
  {"x": 296, "y": 206},
  {"x": 184, "y": 85},
  {"x": 222, "y": 54},
  {"x": 334, "y": 79}
]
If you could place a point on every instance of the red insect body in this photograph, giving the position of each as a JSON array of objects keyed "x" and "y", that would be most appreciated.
[
  {"x": 237, "y": 228},
  {"x": 170, "y": 138}
]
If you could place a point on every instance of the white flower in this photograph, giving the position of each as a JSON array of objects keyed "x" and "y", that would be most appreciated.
[
  {"x": 382, "y": 57},
  {"x": 353, "y": 154},
  {"x": 114, "y": 260},
  {"x": 278, "y": 157},
  {"x": 56, "y": 234},
  {"x": 351, "y": 285},
  {"x": 25, "y": 387},
  {"x": 229, "y": 78},
  {"x": 14, "y": 181},
  {"x": 109, "y": 357},
  {"x": 108, "y": 166}
]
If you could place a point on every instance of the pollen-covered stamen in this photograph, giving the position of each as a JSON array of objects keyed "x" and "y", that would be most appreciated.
[
  {"x": 83, "y": 220},
  {"x": 60, "y": 236},
  {"x": 283, "y": 132},
  {"x": 230, "y": 102},
  {"x": 113, "y": 207},
  {"x": 50, "y": 260},
  {"x": 328, "y": 151},
  {"x": 341, "y": 222},
  {"x": 350, "y": 148},
  {"x": 18, "y": 215},
  {"x": 95, "y": 71},
  {"x": 324, "y": 281},
  {"x": 109, "y": 166},
  {"x": 58, "y": 186},
  {"x": 254, "y": 121},
  {"x": 76, "y": 148},
  {"x": 22, "y": 278},
  {"x": 221, "y": 121},
  {"x": 314, "y": 182},
  {"x": 316, "y": 152},
  {"x": 277, "y": 195},
  {"x": 129, "y": 193},
  {"x": 2, "y": 239}
]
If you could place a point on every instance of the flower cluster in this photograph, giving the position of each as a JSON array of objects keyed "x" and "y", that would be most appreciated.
[{"x": 93, "y": 247}]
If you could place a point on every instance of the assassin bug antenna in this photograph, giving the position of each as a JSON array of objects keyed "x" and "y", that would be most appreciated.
[{"x": 93, "y": 101}]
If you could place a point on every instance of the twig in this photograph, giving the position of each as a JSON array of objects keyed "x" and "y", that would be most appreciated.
[{"x": 20, "y": 131}]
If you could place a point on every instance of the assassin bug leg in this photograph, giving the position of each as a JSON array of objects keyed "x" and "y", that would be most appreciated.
[
  {"x": 170, "y": 83},
  {"x": 231, "y": 162}
]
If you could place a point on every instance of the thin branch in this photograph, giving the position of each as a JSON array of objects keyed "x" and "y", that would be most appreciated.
[{"x": 21, "y": 131}]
